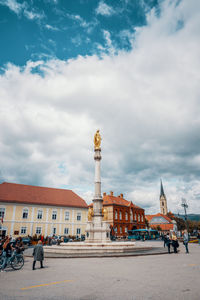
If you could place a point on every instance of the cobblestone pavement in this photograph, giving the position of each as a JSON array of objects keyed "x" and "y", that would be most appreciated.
[{"x": 157, "y": 277}]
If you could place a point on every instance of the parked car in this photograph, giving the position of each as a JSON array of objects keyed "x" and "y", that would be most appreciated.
[{"x": 26, "y": 241}]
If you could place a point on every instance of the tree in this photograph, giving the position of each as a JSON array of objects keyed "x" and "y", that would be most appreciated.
[
  {"x": 181, "y": 225},
  {"x": 158, "y": 228},
  {"x": 146, "y": 223}
]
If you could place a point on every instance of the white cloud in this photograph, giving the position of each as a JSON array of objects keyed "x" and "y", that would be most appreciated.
[
  {"x": 145, "y": 102},
  {"x": 104, "y": 9},
  {"x": 22, "y": 8}
]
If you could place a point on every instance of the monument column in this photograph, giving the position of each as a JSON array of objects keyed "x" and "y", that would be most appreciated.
[{"x": 97, "y": 230}]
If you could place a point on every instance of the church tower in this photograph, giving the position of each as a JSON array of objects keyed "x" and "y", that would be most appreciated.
[{"x": 163, "y": 200}]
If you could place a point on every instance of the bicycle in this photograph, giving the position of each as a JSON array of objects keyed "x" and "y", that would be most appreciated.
[{"x": 16, "y": 260}]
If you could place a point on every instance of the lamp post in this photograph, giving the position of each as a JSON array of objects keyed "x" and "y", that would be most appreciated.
[{"x": 184, "y": 205}]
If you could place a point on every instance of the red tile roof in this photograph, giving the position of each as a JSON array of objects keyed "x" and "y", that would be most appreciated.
[
  {"x": 113, "y": 200},
  {"x": 149, "y": 217},
  {"x": 163, "y": 227},
  {"x": 28, "y": 194}
]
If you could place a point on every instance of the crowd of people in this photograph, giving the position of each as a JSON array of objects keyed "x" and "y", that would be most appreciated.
[
  {"x": 8, "y": 248},
  {"x": 171, "y": 240}
]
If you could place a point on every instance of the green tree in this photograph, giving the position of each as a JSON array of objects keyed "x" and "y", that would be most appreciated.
[{"x": 146, "y": 223}]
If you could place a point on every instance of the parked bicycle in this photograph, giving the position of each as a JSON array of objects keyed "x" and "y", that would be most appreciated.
[{"x": 16, "y": 260}]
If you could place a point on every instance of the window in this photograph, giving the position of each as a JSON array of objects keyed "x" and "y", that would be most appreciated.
[
  {"x": 126, "y": 229},
  {"x": 2, "y": 212},
  {"x": 131, "y": 215},
  {"x": 39, "y": 214},
  {"x": 116, "y": 215},
  {"x": 115, "y": 229},
  {"x": 23, "y": 230},
  {"x": 78, "y": 216},
  {"x": 78, "y": 231},
  {"x": 38, "y": 230},
  {"x": 126, "y": 216},
  {"x": 54, "y": 230},
  {"x": 135, "y": 217},
  {"x": 138, "y": 218},
  {"x": 25, "y": 213},
  {"x": 66, "y": 231},
  {"x": 54, "y": 215},
  {"x": 120, "y": 215},
  {"x": 67, "y": 216},
  {"x": 120, "y": 229},
  {"x": 142, "y": 218}
]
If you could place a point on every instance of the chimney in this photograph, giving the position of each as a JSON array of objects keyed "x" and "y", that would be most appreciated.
[
  {"x": 111, "y": 193},
  {"x": 121, "y": 196},
  {"x": 104, "y": 194}
]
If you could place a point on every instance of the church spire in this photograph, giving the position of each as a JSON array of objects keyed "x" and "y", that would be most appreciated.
[
  {"x": 161, "y": 189},
  {"x": 163, "y": 200}
]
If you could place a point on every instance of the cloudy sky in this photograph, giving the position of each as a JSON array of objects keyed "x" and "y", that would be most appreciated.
[{"x": 129, "y": 68}]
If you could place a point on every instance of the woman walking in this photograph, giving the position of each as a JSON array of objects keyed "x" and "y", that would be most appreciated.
[
  {"x": 38, "y": 254},
  {"x": 175, "y": 243}
]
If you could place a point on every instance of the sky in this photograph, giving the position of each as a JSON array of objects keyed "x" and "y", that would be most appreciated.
[{"x": 130, "y": 68}]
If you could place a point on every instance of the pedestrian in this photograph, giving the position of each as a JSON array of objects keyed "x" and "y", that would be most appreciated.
[
  {"x": 168, "y": 242},
  {"x": 164, "y": 237},
  {"x": 38, "y": 254},
  {"x": 7, "y": 252},
  {"x": 185, "y": 240},
  {"x": 175, "y": 243}
]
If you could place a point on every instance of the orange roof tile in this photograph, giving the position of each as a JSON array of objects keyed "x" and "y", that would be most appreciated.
[
  {"x": 20, "y": 193},
  {"x": 166, "y": 227},
  {"x": 111, "y": 200},
  {"x": 149, "y": 217}
]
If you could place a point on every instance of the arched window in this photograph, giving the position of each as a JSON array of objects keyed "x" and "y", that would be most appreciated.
[
  {"x": 120, "y": 215},
  {"x": 120, "y": 229},
  {"x": 25, "y": 213},
  {"x": 116, "y": 215},
  {"x": 138, "y": 218},
  {"x": 142, "y": 218},
  {"x": 126, "y": 216},
  {"x": 135, "y": 217},
  {"x": 126, "y": 229},
  {"x": 131, "y": 215}
]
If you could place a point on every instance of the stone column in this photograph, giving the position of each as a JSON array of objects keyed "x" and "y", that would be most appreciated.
[{"x": 97, "y": 230}]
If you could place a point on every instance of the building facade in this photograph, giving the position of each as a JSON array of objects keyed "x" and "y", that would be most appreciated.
[
  {"x": 122, "y": 215},
  {"x": 28, "y": 210},
  {"x": 164, "y": 222}
]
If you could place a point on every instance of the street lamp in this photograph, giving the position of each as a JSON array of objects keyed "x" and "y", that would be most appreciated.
[{"x": 184, "y": 205}]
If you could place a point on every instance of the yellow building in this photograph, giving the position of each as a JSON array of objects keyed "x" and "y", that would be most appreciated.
[{"x": 28, "y": 210}]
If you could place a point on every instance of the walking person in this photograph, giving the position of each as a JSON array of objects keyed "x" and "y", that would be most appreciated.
[
  {"x": 38, "y": 254},
  {"x": 175, "y": 243},
  {"x": 168, "y": 242},
  {"x": 185, "y": 240}
]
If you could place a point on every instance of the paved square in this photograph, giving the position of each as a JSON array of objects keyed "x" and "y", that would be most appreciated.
[{"x": 174, "y": 276}]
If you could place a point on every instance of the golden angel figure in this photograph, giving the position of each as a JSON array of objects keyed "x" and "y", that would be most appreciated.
[{"x": 97, "y": 140}]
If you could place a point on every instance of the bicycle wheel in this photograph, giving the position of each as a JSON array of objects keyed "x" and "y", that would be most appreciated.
[{"x": 17, "y": 263}]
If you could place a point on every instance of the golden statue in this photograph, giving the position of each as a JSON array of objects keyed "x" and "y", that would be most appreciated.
[
  {"x": 97, "y": 140},
  {"x": 90, "y": 213},
  {"x": 105, "y": 213}
]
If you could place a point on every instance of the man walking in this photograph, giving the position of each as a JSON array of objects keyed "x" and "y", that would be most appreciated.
[
  {"x": 38, "y": 254},
  {"x": 186, "y": 240}
]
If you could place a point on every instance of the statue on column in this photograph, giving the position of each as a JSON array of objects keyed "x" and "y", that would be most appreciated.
[
  {"x": 90, "y": 214},
  {"x": 97, "y": 140}
]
